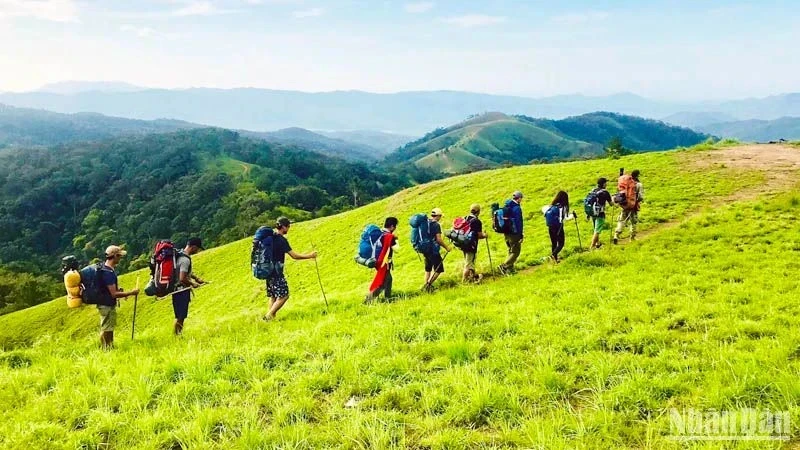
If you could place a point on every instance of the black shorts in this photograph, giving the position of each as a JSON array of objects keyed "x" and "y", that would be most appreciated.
[
  {"x": 277, "y": 287},
  {"x": 180, "y": 304},
  {"x": 434, "y": 262}
]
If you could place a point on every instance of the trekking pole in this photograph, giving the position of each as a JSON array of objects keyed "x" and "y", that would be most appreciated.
[
  {"x": 489, "y": 252},
  {"x": 578, "y": 230},
  {"x": 319, "y": 278},
  {"x": 135, "y": 301}
]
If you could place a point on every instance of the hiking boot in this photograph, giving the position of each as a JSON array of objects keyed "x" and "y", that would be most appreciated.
[
  {"x": 615, "y": 240},
  {"x": 267, "y": 318},
  {"x": 502, "y": 269},
  {"x": 368, "y": 299},
  {"x": 107, "y": 340},
  {"x": 478, "y": 278},
  {"x": 178, "y": 328}
]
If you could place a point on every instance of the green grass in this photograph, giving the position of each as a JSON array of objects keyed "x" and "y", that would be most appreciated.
[{"x": 587, "y": 354}]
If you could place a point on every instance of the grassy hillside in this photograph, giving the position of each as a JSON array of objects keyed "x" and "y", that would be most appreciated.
[
  {"x": 587, "y": 354},
  {"x": 319, "y": 143},
  {"x": 494, "y": 139}
]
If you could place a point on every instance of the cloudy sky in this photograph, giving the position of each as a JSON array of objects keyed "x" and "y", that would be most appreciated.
[{"x": 687, "y": 50}]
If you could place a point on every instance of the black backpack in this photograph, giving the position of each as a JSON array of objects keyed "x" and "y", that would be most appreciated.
[
  {"x": 94, "y": 291},
  {"x": 262, "y": 258}
]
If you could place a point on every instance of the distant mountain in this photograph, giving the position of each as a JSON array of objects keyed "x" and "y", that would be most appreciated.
[
  {"x": 319, "y": 143},
  {"x": 74, "y": 87},
  {"x": 691, "y": 119},
  {"x": 757, "y": 130},
  {"x": 382, "y": 141},
  {"x": 494, "y": 139},
  {"x": 25, "y": 127}
]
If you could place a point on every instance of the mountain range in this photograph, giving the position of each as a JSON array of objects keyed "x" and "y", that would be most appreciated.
[
  {"x": 495, "y": 139},
  {"x": 405, "y": 112},
  {"x": 756, "y": 130}
]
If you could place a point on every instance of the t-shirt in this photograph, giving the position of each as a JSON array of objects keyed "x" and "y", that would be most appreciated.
[
  {"x": 184, "y": 263},
  {"x": 280, "y": 247},
  {"x": 475, "y": 225},
  {"x": 109, "y": 277},
  {"x": 434, "y": 228},
  {"x": 603, "y": 199}
]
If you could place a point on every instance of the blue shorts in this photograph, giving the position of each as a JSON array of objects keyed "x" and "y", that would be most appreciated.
[{"x": 180, "y": 304}]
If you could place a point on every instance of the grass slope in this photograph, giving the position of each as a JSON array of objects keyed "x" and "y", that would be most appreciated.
[
  {"x": 587, "y": 354},
  {"x": 492, "y": 139}
]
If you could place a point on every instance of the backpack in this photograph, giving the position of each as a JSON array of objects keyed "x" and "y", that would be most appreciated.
[
  {"x": 163, "y": 273},
  {"x": 370, "y": 246},
  {"x": 72, "y": 281},
  {"x": 552, "y": 216},
  {"x": 626, "y": 192},
  {"x": 94, "y": 292},
  {"x": 262, "y": 258},
  {"x": 501, "y": 219},
  {"x": 461, "y": 234},
  {"x": 421, "y": 238},
  {"x": 591, "y": 205}
]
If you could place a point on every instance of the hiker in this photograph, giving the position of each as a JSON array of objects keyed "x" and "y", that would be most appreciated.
[
  {"x": 554, "y": 215},
  {"x": 107, "y": 301},
  {"x": 471, "y": 248},
  {"x": 514, "y": 237},
  {"x": 434, "y": 263},
  {"x": 277, "y": 288},
  {"x": 383, "y": 266},
  {"x": 600, "y": 197},
  {"x": 187, "y": 281},
  {"x": 630, "y": 207}
]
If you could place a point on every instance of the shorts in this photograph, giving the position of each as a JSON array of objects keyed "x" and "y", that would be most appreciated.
[
  {"x": 599, "y": 223},
  {"x": 180, "y": 304},
  {"x": 277, "y": 287},
  {"x": 434, "y": 262},
  {"x": 108, "y": 317},
  {"x": 469, "y": 260}
]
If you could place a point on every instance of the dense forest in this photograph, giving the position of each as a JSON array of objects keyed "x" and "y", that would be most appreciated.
[{"x": 79, "y": 198}]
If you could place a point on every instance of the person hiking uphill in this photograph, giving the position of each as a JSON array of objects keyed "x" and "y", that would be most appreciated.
[
  {"x": 186, "y": 279},
  {"x": 277, "y": 287},
  {"x": 515, "y": 237},
  {"x": 107, "y": 304},
  {"x": 554, "y": 215},
  {"x": 434, "y": 263},
  {"x": 471, "y": 250},
  {"x": 383, "y": 275},
  {"x": 633, "y": 198},
  {"x": 602, "y": 198}
]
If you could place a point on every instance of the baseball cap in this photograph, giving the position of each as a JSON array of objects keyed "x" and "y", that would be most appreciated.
[
  {"x": 114, "y": 250},
  {"x": 517, "y": 194},
  {"x": 196, "y": 241},
  {"x": 437, "y": 212},
  {"x": 475, "y": 208}
]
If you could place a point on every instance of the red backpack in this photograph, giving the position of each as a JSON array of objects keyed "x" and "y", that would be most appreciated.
[
  {"x": 162, "y": 267},
  {"x": 626, "y": 192}
]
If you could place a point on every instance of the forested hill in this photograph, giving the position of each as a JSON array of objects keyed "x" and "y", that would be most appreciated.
[
  {"x": 494, "y": 139},
  {"x": 213, "y": 183},
  {"x": 27, "y": 127}
]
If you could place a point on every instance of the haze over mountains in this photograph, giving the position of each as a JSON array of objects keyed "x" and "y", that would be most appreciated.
[{"x": 411, "y": 113}]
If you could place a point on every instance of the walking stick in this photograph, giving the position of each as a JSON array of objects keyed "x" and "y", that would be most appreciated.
[
  {"x": 578, "y": 230},
  {"x": 135, "y": 302},
  {"x": 489, "y": 252},
  {"x": 319, "y": 278}
]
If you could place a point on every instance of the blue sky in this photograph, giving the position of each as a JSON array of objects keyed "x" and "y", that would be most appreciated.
[{"x": 679, "y": 50}]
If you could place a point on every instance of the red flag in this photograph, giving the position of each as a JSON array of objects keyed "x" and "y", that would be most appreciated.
[{"x": 382, "y": 262}]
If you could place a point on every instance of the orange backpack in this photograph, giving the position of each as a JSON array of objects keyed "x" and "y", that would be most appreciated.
[{"x": 626, "y": 192}]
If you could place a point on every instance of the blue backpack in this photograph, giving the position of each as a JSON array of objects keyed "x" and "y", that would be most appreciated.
[
  {"x": 552, "y": 216},
  {"x": 591, "y": 205},
  {"x": 421, "y": 238},
  {"x": 501, "y": 219},
  {"x": 262, "y": 259},
  {"x": 370, "y": 246},
  {"x": 94, "y": 292}
]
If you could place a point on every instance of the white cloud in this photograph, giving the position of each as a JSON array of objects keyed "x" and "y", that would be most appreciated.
[
  {"x": 474, "y": 20},
  {"x": 418, "y": 7},
  {"x": 580, "y": 18},
  {"x": 312, "y": 12},
  {"x": 146, "y": 32},
  {"x": 52, "y": 10},
  {"x": 200, "y": 8}
]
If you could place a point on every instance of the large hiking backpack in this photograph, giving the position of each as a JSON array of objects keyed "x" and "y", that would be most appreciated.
[
  {"x": 262, "y": 257},
  {"x": 461, "y": 235},
  {"x": 591, "y": 204},
  {"x": 501, "y": 219},
  {"x": 72, "y": 281},
  {"x": 163, "y": 269},
  {"x": 626, "y": 192},
  {"x": 421, "y": 238},
  {"x": 370, "y": 246},
  {"x": 93, "y": 292},
  {"x": 552, "y": 216}
]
